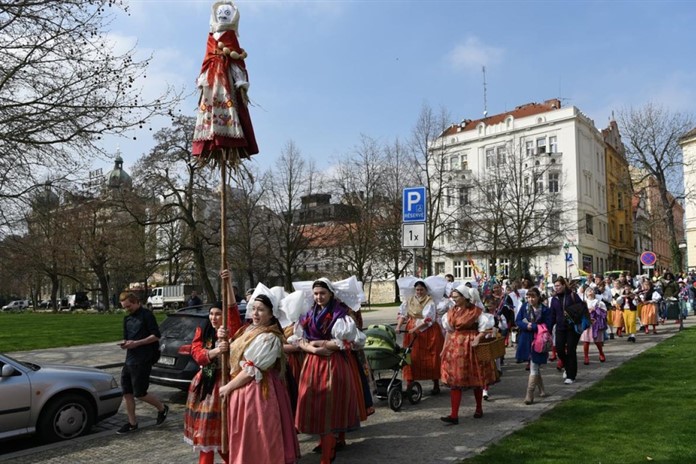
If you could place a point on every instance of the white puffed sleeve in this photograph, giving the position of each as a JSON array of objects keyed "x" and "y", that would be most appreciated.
[
  {"x": 344, "y": 332},
  {"x": 359, "y": 340},
  {"x": 261, "y": 354},
  {"x": 445, "y": 323},
  {"x": 656, "y": 297},
  {"x": 430, "y": 314},
  {"x": 297, "y": 335},
  {"x": 444, "y": 306},
  {"x": 485, "y": 321},
  {"x": 402, "y": 310}
]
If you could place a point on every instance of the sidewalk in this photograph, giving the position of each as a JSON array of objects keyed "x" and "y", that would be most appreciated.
[{"x": 413, "y": 434}]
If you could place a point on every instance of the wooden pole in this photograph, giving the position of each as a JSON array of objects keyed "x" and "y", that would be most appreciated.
[{"x": 224, "y": 358}]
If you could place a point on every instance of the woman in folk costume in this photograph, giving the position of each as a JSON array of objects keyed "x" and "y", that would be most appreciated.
[
  {"x": 202, "y": 415},
  {"x": 616, "y": 317},
  {"x": 418, "y": 314},
  {"x": 465, "y": 324},
  {"x": 328, "y": 401},
  {"x": 261, "y": 426},
  {"x": 648, "y": 308},
  {"x": 531, "y": 316},
  {"x": 626, "y": 301},
  {"x": 223, "y": 121},
  {"x": 595, "y": 332}
]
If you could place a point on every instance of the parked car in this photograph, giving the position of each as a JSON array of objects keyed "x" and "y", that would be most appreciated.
[
  {"x": 78, "y": 300},
  {"x": 44, "y": 304},
  {"x": 16, "y": 305},
  {"x": 57, "y": 402},
  {"x": 176, "y": 367}
]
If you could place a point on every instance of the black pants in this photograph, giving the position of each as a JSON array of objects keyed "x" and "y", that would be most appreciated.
[{"x": 566, "y": 344}]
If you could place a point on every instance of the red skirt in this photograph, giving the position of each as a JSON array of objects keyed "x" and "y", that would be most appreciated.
[
  {"x": 327, "y": 401},
  {"x": 425, "y": 353},
  {"x": 202, "y": 418},
  {"x": 460, "y": 365}
]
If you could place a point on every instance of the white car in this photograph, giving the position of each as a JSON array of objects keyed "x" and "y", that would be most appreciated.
[
  {"x": 57, "y": 402},
  {"x": 16, "y": 305}
]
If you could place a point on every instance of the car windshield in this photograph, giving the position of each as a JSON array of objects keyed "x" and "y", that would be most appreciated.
[
  {"x": 181, "y": 327},
  {"x": 32, "y": 366}
]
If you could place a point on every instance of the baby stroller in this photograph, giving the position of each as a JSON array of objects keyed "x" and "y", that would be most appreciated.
[{"x": 383, "y": 353}]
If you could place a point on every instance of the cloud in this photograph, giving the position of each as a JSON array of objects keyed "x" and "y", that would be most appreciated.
[{"x": 473, "y": 54}]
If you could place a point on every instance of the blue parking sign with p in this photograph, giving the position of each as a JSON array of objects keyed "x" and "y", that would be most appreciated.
[{"x": 414, "y": 206}]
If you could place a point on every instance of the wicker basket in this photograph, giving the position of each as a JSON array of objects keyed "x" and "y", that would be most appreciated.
[{"x": 490, "y": 349}]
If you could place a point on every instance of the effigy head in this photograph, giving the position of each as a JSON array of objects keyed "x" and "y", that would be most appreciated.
[{"x": 224, "y": 17}]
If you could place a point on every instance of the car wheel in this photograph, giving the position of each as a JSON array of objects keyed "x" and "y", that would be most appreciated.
[{"x": 65, "y": 417}]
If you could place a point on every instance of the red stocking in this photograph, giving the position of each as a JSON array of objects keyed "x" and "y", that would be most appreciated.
[
  {"x": 455, "y": 400},
  {"x": 206, "y": 457},
  {"x": 478, "y": 395}
]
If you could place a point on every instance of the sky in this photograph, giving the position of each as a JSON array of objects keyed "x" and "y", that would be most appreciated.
[{"x": 323, "y": 73}]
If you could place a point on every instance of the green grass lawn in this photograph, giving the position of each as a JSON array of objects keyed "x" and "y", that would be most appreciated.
[
  {"x": 643, "y": 411},
  {"x": 31, "y": 331}
]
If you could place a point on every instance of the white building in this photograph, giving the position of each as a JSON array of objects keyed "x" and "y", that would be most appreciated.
[
  {"x": 688, "y": 145},
  {"x": 565, "y": 144}
]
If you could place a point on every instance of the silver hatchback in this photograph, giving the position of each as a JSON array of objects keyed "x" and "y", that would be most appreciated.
[{"x": 56, "y": 401}]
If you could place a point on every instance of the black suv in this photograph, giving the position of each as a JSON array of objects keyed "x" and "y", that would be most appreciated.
[{"x": 176, "y": 367}]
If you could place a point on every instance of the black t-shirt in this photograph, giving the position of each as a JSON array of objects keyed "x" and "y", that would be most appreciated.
[{"x": 136, "y": 326}]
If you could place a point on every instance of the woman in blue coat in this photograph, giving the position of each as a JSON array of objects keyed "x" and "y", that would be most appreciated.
[{"x": 531, "y": 315}]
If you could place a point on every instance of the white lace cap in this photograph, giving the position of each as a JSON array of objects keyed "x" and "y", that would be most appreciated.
[
  {"x": 436, "y": 287},
  {"x": 293, "y": 307},
  {"x": 261, "y": 289},
  {"x": 349, "y": 291}
]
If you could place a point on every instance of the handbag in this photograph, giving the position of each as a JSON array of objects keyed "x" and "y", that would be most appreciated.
[
  {"x": 574, "y": 312},
  {"x": 542, "y": 342}
]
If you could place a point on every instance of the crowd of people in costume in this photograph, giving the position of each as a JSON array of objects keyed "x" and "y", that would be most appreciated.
[{"x": 296, "y": 365}]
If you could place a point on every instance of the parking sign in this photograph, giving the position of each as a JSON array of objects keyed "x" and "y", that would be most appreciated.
[{"x": 414, "y": 206}]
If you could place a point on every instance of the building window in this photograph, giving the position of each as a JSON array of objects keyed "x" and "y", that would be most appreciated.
[
  {"x": 554, "y": 179},
  {"x": 621, "y": 233},
  {"x": 555, "y": 221},
  {"x": 538, "y": 184},
  {"x": 463, "y": 196},
  {"x": 553, "y": 144},
  {"x": 468, "y": 270},
  {"x": 457, "y": 269},
  {"x": 439, "y": 268},
  {"x": 529, "y": 147},
  {"x": 490, "y": 158},
  {"x": 619, "y": 200},
  {"x": 501, "y": 153},
  {"x": 541, "y": 145},
  {"x": 588, "y": 224},
  {"x": 526, "y": 185},
  {"x": 448, "y": 197},
  {"x": 454, "y": 163},
  {"x": 503, "y": 267}
]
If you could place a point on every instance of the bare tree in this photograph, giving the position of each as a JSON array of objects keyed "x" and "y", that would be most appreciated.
[
  {"x": 428, "y": 150},
  {"x": 359, "y": 178},
  {"x": 399, "y": 174},
  {"x": 249, "y": 221},
  {"x": 285, "y": 185},
  {"x": 180, "y": 193},
  {"x": 511, "y": 208},
  {"x": 62, "y": 87},
  {"x": 651, "y": 136}
]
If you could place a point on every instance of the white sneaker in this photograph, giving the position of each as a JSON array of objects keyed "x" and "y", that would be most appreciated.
[
  {"x": 485, "y": 394},
  {"x": 568, "y": 381},
  {"x": 565, "y": 376}
]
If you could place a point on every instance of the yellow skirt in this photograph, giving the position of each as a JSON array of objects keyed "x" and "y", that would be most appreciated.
[{"x": 629, "y": 318}]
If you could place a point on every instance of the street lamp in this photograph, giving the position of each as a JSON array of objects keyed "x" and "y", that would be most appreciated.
[{"x": 566, "y": 247}]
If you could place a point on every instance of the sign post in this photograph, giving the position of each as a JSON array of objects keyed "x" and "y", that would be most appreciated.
[{"x": 414, "y": 214}]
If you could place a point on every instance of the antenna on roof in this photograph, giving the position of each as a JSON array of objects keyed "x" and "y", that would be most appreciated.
[{"x": 485, "y": 100}]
